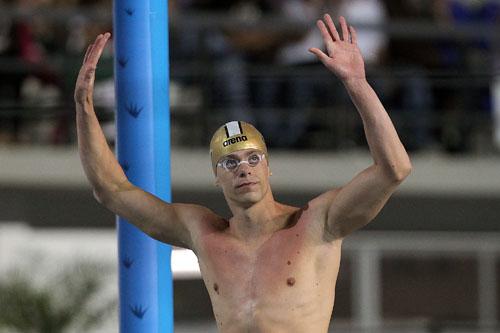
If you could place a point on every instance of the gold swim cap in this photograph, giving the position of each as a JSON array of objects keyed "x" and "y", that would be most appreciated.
[{"x": 233, "y": 136}]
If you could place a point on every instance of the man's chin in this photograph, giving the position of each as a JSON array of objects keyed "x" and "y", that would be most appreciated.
[{"x": 248, "y": 198}]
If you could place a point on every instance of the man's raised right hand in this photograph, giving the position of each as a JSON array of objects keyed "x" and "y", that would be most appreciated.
[{"x": 85, "y": 82}]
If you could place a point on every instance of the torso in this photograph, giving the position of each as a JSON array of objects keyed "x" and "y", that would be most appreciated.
[{"x": 284, "y": 283}]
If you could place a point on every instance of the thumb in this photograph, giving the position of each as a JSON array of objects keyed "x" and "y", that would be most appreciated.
[{"x": 320, "y": 54}]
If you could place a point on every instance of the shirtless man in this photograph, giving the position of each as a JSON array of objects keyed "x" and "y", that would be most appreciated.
[{"x": 271, "y": 267}]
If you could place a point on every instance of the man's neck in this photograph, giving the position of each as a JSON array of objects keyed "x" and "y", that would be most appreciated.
[{"x": 258, "y": 220}]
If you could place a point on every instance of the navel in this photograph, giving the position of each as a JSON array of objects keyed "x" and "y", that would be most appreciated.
[
  {"x": 216, "y": 288},
  {"x": 290, "y": 281},
  {"x": 289, "y": 262}
]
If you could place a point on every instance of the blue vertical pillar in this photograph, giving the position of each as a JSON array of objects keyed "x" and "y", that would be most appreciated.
[{"x": 143, "y": 149}]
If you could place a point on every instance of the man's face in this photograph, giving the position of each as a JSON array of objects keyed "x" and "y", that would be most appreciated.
[{"x": 244, "y": 176}]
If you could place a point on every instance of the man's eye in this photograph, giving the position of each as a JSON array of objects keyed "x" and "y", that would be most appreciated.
[
  {"x": 254, "y": 158},
  {"x": 230, "y": 164}
]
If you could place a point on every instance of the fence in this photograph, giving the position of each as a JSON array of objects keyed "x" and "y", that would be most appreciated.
[{"x": 456, "y": 119}]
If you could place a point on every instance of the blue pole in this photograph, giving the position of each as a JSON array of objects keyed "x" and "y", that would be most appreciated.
[{"x": 143, "y": 149}]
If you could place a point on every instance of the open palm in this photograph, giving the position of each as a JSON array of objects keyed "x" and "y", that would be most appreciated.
[
  {"x": 344, "y": 57},
  {"x": 85, "y": 82}
]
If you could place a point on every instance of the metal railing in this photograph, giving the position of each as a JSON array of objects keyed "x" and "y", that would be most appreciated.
[{"x": 199, "y": 119}]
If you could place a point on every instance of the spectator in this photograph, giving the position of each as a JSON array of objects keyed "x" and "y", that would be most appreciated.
[
  {"x": 470, "y": 57},
  {"x": 372, "y": 41},
  {"x": 28, "y": 60},
  {"x": 284, "y": 101},
  {"x": 411, "y": 97},
  {"x": 229, "y": 54},
  {"x": 304, "y": 93}
]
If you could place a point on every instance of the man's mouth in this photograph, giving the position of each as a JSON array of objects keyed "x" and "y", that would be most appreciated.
[{"x": 246, "y": 184}]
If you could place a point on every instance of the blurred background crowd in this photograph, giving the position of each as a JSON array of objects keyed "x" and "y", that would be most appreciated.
[{"x": 434, "y": 64}]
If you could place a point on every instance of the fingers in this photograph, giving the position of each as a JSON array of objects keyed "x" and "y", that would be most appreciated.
[
  {"x": 97, "y": 48},
  {"x": 330, "y": 34},
  {"x": 354, "y": 35},
  {"x": 92, "y": 55},
  {"x": 345, "y": 31},
  {"x": 320, "y": 54},
  {"x": 89, "y": 49},
  {"x": 327, "y": 38},
  {"x": 331, "y": 26}
]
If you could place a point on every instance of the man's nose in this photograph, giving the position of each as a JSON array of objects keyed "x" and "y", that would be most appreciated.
[{"x": 244, "y": 170}]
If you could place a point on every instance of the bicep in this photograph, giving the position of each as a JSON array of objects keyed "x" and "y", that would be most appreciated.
[
  {"x": 166, "y": 222},
  {"x": 358, "y": 202}
]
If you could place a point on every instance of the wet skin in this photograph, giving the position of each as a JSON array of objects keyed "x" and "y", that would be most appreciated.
[{"x": 283, "y": 282}]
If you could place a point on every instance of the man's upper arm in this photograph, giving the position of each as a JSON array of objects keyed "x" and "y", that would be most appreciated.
[
  {"x": 354, "y": 205},
  {"x": 166, "y": 222}
]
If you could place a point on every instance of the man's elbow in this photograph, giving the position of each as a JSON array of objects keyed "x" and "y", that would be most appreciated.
[
  {"x": 107, "y": 194},
  {"x": 105, "y": 197},
  {"x": 398, "y": 172},
  {"x": 101, "y": 196},
  {"x": 401, "y": 172}
]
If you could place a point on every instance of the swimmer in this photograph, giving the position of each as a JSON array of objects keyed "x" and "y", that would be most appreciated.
[{"x": 271, "y": 267}]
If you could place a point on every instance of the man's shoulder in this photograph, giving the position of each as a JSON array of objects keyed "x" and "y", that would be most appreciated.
[
  {"x": 313, "y": 209},
  {"x": 325, "y": 199},
  {"x": 201, "y": 215},
  {"x": 322, "y": 201}
]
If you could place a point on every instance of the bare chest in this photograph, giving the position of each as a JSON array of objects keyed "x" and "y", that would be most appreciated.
[{"x": 283, "y": 266}]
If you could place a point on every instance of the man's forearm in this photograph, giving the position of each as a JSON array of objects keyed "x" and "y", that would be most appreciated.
[
  {"x": 99, "y": 163},
  {"x": 385, "y": 146}
]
